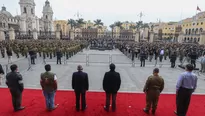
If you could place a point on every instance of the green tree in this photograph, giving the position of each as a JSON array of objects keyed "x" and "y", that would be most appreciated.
[
  {"x": 72, "y": 23},
  {"x": 118, "y": 24},
  {"x": 112, "y": 27},
  {"x": 80, "y": 22},
  {"x": 98, "y": 23}
]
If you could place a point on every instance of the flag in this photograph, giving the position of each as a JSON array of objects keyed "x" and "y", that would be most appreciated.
[{"x": 198, "y": 8}]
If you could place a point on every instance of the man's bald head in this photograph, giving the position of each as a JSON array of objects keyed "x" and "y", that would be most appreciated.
[{"x": 79, "y": 68}]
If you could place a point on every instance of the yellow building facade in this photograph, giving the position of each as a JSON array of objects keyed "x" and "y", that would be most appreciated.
[
  {"x": 63, "y": 26},
  {"x": 190, "y": 27}
]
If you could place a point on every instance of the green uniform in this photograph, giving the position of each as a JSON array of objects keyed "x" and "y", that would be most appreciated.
[{"x": 153, "y": 87}]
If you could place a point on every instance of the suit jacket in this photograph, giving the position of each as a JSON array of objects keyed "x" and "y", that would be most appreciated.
[
  {"x": 80, "y": 82},
  {"x": 111, "y": 82},
  {"x": 14, "y": 81},
  {"x": 59, "y": 54},
  {"x": 1, "y": 70}
]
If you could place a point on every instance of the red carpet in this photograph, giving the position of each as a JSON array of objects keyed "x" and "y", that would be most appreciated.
[{"x": 127, "y": 105}]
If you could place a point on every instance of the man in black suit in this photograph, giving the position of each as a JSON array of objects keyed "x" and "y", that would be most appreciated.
[
  {"x": 80, "y": 85},
  {"x": 1, "y": 73},
  {"x": 14, "y": 82},
  {"x": 59, "y": 55},
  {"x": 32, "y": 56},
  {"x": 111, "y": 85}
]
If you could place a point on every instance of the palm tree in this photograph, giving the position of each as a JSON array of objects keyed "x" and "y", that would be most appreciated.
[
  {"x": 118, "y": 24},
  {"x": 139, "y": 25},
  {"x": 145, "y": 25},
  {"x": 98, "y": 23},
  {"x": 72, "y": 23},
  {"x": 112, "y": 27},
  {"x": 80, "y": 22}
]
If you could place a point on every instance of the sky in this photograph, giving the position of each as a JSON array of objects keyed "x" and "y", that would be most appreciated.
[{"x": 110, "y": 11}]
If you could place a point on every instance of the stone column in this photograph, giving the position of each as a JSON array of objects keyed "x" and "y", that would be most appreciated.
[
  {"x": 11, "y": 34},
  {"x": 137, "y": 36},
  {"x": 202, "y": 38},
  {"x": 58, "y": 35},
  {"x": 72, "y": 36},
  {"x": 35, "y": 34},
  {"x": 151, "y": 36},
  {"x": 2, "y": 34},
  {"x": 180, "y": 37}
]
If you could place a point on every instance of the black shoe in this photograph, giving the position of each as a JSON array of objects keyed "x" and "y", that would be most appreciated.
[
  {"x": 85, "y": 108},
  {"x": 19, "y": 109},
  {"x": 146, "y": 111},
  {"x": 106, "y": 109},
  {"x": 153, "y": 112}
]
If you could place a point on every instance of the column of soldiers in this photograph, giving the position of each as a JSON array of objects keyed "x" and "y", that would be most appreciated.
[
  {"x": 45, "y": 48},
  {"x": 162, "y": 51}
]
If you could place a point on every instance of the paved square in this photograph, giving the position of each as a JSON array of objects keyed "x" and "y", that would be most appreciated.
[{"x": 133, "y": 78}]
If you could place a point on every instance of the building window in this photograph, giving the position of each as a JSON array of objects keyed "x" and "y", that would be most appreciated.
[
  {"x": 4, "y": 25},
  {"x": 197, "y": 23},
  {"x": 32, "y": 11},
  {"x": 24, "y": 11},
  {"x": 46, "y": 17},
  {"x": 201, "y": 23},
  {"x": 193, "y": 23}
]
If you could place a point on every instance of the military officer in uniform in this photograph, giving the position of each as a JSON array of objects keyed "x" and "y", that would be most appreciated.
[{"x": 153, "y": 87}]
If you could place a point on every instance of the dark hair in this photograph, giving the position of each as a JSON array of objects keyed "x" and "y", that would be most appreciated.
[
  {"x": 189, "y": 67},
  {"x": 156, "y": 70},
  {"x": 48, "y": 67},
  {"x": 112, "y": 67},
  {"x": 13, "y": 67}
]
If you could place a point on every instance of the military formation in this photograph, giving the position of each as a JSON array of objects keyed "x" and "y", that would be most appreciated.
[
  {"x": 162, "y": 51},
  {"x": 45, "y": 48}
]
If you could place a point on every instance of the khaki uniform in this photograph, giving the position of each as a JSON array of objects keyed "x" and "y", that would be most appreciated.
[{"x": 153, "y": 87}]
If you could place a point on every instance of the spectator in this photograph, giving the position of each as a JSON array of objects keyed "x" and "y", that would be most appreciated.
[
  {"x": 80, "y": 85},
  {"x": 1, "y": 74},
  {"x": 111, "y": 85},
  {"x": 186, "y": 85},
  {"x": 48, "y": 83},
  {"x": 14, "y": 82}
]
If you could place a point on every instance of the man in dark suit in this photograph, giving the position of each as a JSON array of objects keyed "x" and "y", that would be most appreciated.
[
  {"x": 14, "y": 82},
  {"x": 111, "y": 85},
  {"x": 1, "y": 73},
  {"x": 80, "y": 85},
  {"x": 59, "y": 55},
  {"x": 32, "y": 56}
]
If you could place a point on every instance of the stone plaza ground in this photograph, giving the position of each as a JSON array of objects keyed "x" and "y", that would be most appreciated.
[{"x": 96, "y": 63}]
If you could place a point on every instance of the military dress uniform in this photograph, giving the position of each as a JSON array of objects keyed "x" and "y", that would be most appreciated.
[{"x": 153, "y": 87}]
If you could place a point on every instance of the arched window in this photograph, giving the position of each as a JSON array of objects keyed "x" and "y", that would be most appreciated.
[
  {"x": 32, "y": 11},
  {"x": 186, "y": 31},
  {"x": 201, "y": 29},
  {"x": 189, "y": 31},
  {"x": 29, "y": 32},
  {"x": 197, "y": 31},
  {"x": 188, "y": 39},
  {"x": 198, "y": 39},
  {"x": 24, "y": 10},
  {"x": 194, "y": 39},
  {"x": 46, "y": 17},
  {"x": 192, "y": 32}
]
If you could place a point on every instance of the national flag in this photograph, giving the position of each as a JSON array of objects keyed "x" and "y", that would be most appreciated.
[{"x": 198, "y": 8}]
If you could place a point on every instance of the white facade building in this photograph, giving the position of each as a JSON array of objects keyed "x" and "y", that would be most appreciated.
[{"x": 27, "y": 21}]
